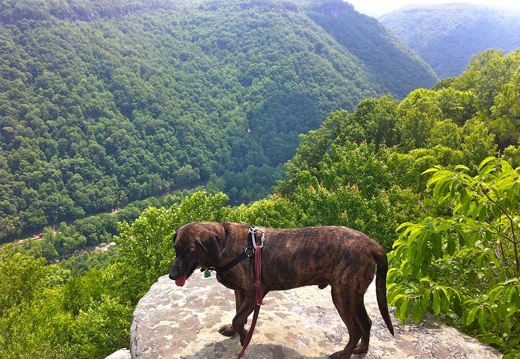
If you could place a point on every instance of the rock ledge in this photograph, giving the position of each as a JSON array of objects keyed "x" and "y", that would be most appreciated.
[{"x": 173, "y": 322}]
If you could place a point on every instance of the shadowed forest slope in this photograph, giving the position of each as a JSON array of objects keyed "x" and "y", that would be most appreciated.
[{"x": 446, "y": 36}]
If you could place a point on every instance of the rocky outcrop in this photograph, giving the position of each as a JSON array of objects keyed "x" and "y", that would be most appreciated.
[
  {"x": 174, "y": 322},
  {"x": 120, "y": 354}
]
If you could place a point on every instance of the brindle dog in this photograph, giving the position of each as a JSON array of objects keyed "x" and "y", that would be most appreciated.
[{"x": 342, "y": 257}]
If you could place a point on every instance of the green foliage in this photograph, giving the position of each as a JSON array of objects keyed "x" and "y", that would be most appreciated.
[
  {"x": 79, "y": 264},
  {"x": 407, "y": 168},
  {"x": 68, "y": 240},
  {"x": 275, "y": 211},
  {"x": 465, "y": 266},
  {"x": 164, "y": 98},
  {"x": 22, "y": 277},
  {"x": 252, "y": 183},
  {"x": 493, "y": 79},
  {"x": 102, "y": 327},
  {"x": 457, "y": 253},
  {"x": 418, "y": 113},
  {"x": 45, "y": 312},
  {"x": 103, "y": 103},
  {"x": 146, "y": 246},
  {"x": 350, "y": 186}
]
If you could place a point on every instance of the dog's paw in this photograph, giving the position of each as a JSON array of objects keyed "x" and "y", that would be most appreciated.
[
  {"x": 361, "y": 349},
  {"x": 338, "y": 355},
  {"x": 227, "y": 330},
  {"x": 243, "y": 337}
]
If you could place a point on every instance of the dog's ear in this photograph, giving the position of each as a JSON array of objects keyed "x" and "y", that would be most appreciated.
[{"x": 213, "y": 248}]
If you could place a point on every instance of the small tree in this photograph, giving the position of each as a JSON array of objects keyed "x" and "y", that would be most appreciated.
[
  {"x": 466, "y": 266},
  {"x": 146, "y": 246}
]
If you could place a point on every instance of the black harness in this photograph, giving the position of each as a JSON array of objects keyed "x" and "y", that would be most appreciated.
[{"x": 249, "y": 251}]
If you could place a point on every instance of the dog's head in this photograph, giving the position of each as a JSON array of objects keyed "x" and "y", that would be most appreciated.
[{"x": 197, "y": 244}]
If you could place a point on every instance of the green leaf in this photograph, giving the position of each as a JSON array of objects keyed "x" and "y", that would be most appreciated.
[
  {"x": 482, "y": 319},
  {"x": 445, "y": 301},
  {"x": 515, "y": 298},
  {"x": 484, "y": 167},
  {"x": 437, "y": 245},
  {"x": 396, "y": 298},
  {"x": 472, "y": 313},
  {"x": 436, "y": 302},
  {"x": 464, "y": 197},
  {"x": 403, "y": 309},
  {"x": 502, "y": 311},
  {"x": 422, "y": 250},
  {"x": 451, "y": 247},
  {"x": 440, "y": 188},
  {"x": 425, "y": 300},
  {"x": 403, "y": 225},
  {"x": 457, "y": 305},
  {"x": 417, "y": 310},
  {"x": 430, "y": 170},
  {"x": 461, "y": 168}
]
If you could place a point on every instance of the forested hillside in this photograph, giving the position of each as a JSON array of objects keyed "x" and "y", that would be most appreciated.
[
  {"x": 447, "y": 35},
  {"x": 106, "y": 102},
  {"x": 434, "y": 177}
]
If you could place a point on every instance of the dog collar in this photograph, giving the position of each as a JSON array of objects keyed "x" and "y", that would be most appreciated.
[{"x": 248, "y": 252}]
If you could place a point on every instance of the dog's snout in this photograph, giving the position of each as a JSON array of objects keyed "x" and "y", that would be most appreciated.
[{"x": 174, "y": 272}]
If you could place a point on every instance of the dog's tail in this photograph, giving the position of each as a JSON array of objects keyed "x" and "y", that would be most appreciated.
[{"x": 382, "y": 269}]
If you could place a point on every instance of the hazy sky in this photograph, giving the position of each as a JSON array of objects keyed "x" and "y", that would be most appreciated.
[{"x": 380, "y": 7}]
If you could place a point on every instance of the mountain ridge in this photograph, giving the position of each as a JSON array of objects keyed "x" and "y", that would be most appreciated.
[{"x": 447, "y": 35}]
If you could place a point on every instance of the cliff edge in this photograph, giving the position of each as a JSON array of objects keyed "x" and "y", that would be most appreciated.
[{"x": 174, "y": 322}]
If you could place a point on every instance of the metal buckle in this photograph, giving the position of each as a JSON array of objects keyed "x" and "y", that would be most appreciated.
[
  {"x": 253, "y": 231},
  {"x": 250, "y": 251}
]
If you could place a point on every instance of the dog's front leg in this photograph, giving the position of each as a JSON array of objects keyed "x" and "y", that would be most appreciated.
[
  {"x": 228, "y": 330},
  {"x": 240, "y": 319}
]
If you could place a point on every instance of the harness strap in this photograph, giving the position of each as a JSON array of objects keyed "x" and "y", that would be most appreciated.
[
  {"x": 247, "y": 253},
  {"x": 234, "y": 262},
  {"x": 258, "y": 277}
]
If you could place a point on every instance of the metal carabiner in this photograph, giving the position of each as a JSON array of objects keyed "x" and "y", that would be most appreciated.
[
  {"x": 262, "y": 239},
  {"x": 253, "y": 231}
]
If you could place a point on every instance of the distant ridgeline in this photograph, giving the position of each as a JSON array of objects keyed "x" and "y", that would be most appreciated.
[
  {"x": 446, "y": 36},
  {"x": 107, "y": 102}
]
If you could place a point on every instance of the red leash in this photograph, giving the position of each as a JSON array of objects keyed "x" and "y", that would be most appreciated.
[{"x": 258, "y": 277}]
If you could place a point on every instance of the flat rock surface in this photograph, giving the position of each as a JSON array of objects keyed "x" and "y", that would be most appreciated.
[{"x": 174, "y": 322}]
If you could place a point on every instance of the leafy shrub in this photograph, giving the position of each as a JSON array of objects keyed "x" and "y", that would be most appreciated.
[{"x": 466, "y": 266}]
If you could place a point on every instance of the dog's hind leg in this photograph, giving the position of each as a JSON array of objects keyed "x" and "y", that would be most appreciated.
[
  {"x": 365, "y": 323},
  {"x": 347, "y": 302}
]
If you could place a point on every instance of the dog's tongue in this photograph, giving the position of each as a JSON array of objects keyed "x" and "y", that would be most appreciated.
[{"x": 180, "y": 282}]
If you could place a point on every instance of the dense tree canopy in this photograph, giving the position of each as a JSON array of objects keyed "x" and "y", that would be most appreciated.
[
  {"x": 370, "y": 169},
  {"x": 107, "y": 102}
]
